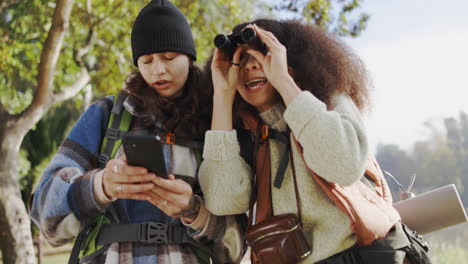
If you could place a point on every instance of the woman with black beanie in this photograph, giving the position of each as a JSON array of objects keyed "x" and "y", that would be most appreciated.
[{"x": 127, "y": 214}]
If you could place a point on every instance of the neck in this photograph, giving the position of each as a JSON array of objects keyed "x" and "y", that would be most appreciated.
[{"x": 273, "y": 117}]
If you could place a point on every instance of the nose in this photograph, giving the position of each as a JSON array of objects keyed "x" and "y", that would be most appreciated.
[
  {"x": 251, "y": 64},
  {"x": 159, "y": 67}
]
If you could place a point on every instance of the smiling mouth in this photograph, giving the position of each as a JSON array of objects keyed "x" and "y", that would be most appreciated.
[{"x": 255, "y": 84}]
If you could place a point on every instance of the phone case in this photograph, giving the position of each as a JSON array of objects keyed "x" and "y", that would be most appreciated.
[{"x": 145, "y": 151}]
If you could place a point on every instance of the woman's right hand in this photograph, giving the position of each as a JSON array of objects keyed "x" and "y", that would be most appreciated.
[
  {"x": 122, "y": 181},
  {"x": 225, "y": 73}
]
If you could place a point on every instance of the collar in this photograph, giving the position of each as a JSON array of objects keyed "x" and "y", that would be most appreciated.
[{"x": 273, "y": 117}]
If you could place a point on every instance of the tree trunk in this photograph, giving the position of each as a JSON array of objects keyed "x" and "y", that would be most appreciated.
[
  {"x": 87, "y": 96},
  {"x": 40, "y": 244},
  {"x": 15, "y": 234},
  {"x": 16, "y": 242}
]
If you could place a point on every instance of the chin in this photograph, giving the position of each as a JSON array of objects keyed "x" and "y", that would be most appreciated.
[{"x": 169, "y": 93}]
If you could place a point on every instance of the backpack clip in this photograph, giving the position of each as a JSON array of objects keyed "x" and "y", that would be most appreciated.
[
  {"x": 152, "y": 232},
  {"x": 102, "y": 160},
  {"x": 264, "y": 132},
  {"x": 170, "y": 138},
  {"x": 112, "y": 133}
]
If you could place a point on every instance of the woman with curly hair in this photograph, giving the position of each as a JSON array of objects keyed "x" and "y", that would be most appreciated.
[
  {"x": 302, "y": 97},
  {"x": 128, "y": 214}
]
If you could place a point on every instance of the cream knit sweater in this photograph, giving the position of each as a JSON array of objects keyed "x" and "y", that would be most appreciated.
[{"x": 335, "y": 147}]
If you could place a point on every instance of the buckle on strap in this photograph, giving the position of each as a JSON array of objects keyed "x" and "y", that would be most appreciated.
[
  {"x": 170, "y": 138},
  {"x": 167, "y": 138},
  {"x": 102, "y": 159},
  {"x": 112, "y": 133},
  {"x": 265, "y": 130},
  {"x": 152, "y": 232}
]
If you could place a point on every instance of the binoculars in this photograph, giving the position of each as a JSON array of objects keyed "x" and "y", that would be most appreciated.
[{"x": 229, "y": 43}]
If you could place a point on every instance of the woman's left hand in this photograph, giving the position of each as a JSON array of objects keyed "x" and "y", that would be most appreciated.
[
  {"x": 274, "y": 63},
  {"x": 175, "y": 198}
]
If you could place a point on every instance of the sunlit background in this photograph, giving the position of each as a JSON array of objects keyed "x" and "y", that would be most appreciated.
[{"x": 417, "y": 53}]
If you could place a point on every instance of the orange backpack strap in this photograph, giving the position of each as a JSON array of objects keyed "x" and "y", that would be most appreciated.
[
  {"x": 370, "y": 210},
  {"x": 328, "y": 187}
]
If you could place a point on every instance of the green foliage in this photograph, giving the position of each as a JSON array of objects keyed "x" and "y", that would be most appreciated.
[
  {"x": 22, "y": 35},
  {"x": 339, "y": 16},
  {"x": 101, "y": 31},
  {"x": 42, "y": 142},
  {"x": 209, "y": 18}
]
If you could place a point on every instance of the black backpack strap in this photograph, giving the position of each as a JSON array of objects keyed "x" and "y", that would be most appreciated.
[
  {"x": 112, "y": 133},
  {"x": 169, "y": 233},
  {"x": 284, "y": 138},
  {"x": 75, "y": 253},
  {"x": 247, "y": 139}
]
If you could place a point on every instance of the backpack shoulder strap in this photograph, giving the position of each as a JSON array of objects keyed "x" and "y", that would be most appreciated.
[
  {"x": 374, "y": 172},
  {"x": 246, "y": 140},
  {"x": 119, "y": 123}
]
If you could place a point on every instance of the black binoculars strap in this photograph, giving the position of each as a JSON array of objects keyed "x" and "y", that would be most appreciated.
[{"x": 283, "y": 137}]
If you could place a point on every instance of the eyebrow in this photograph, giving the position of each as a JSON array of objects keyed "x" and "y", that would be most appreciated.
[{"x": 145, "y": 57}]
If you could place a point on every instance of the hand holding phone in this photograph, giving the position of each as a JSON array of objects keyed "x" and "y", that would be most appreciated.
[{"x": 145, "y": 151}]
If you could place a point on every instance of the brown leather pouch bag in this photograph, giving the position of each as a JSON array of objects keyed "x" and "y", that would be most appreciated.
[{"x": 278, "y": 239}]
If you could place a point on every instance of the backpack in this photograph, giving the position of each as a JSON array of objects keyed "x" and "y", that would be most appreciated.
[
  {"x": 367, "y": 203},
  {"x": 97, "y": 234}
]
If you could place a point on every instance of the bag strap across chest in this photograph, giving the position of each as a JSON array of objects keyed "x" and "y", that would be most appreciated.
[
  {"x": 369, "y": 209},
  {"x": 119, "y": 124}
]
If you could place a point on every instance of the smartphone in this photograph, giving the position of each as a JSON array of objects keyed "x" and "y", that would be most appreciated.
[{"x": 145, "y": 151}]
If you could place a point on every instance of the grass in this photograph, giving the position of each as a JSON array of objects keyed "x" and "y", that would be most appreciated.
[
  {"x": 443, "y": 252},
  {"x": 449, "y": 245}
]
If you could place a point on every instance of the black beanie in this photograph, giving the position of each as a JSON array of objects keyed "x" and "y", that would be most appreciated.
[{"x": 161, "y": 27}]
